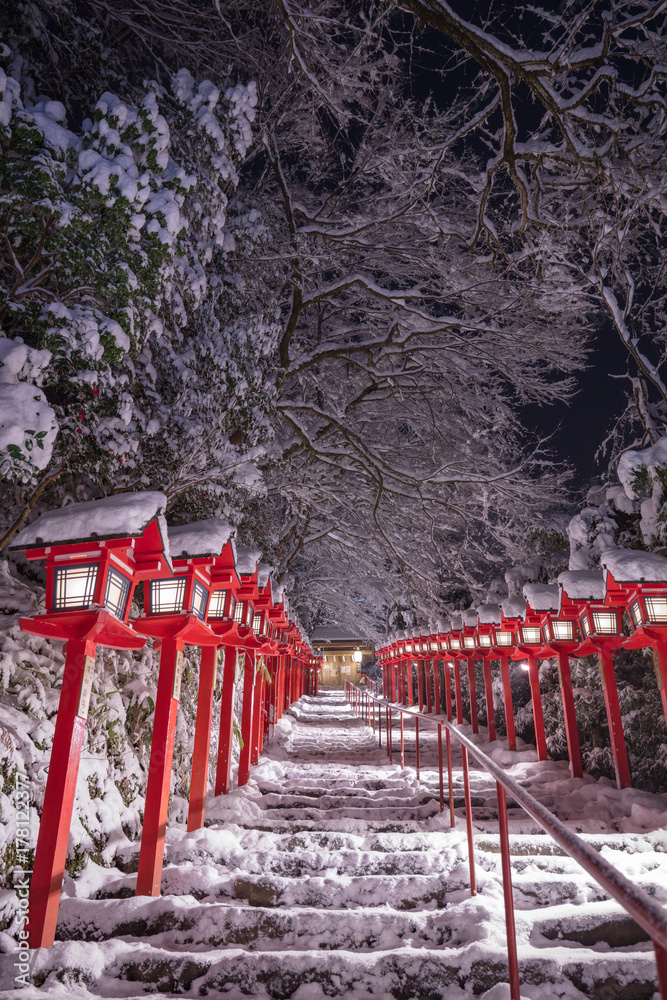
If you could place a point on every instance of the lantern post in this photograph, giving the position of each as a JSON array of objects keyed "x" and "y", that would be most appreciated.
[
  {"x": 488, "y": 615},
  {"x": 96, "y": 553},
  {"x": 502, "y": 644},
  {"x": 469, "y": 643},
  {"x": 560, "y": 639},
  {"x": 434, "y": 650},
  {"x": 455, "y": 642},
  {"x": 583, "y": 593},
  {"x": 528, "y": 641},
  {"x": 246, "y": 565},
  {"x": 174, "y": 614},
  {"x": 638, "y": 580}
]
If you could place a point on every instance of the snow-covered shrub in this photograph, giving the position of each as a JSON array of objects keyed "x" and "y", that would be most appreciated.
[{"x": 119, "y": 279}]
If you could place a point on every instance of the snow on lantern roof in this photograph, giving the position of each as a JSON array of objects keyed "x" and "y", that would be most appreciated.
[
  {"x": 277, "y": 591},
  {"x": 541, "y": 596},
  {"x": 455, "y": 623},
  {"x": 470, "y": 618},
  {"x": 513, "y": 607},
  {"x": 582, "y": 584},
  {"x": 125, "y": 515},
  {"x": 489, "y": 614},
  {"x": 264, "y": 572},
  {"x": 633, "y": 566},
  {"x": 246, "y": 560},
  {"x": 200, "y": 539},
  {"x": 441, "y": 626}
]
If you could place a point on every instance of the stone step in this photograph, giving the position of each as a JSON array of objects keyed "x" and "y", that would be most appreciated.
[
  {"x": 181, "y": 921},
  {"x": 403, "y": 973}
]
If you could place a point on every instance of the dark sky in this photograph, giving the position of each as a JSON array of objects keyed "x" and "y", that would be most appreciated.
[{"x": 578, "y": 428}]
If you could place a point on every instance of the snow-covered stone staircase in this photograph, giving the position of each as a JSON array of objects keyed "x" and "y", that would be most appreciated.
[{"x": 335, "y": 874}]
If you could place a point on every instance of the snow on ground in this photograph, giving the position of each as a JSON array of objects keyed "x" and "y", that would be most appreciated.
[{"x": 333, "y": 873}]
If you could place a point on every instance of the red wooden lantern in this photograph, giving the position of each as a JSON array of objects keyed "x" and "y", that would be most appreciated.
[
  {"x": 95, "y": 554},
  {"x": 560, "y": 639},
  {"x": 174, "y": 614},
  {"x": 501, "y": 641},
  {"x": 638, "y": 580},
  {"x": 582, "y": 593}
]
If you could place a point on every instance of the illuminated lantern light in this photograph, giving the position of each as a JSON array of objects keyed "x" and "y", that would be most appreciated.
[
  {"x": 582, "y": 592},
  {"x": 96, "y": 553}
]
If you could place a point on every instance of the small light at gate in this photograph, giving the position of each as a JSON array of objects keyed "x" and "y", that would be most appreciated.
[
  {"x": 525, "y": 666},
  {"x": 357, "y": 656}
]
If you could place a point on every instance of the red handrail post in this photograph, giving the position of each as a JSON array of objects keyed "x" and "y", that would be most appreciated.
[
  {"x": 258, "y": 701},
  {"x": 538, "y": 715},
  {"x": 452, "y": 814},
  {"x": 402, "y": 743},
  {"x": 616, "y": 735},
  {"x": 442, "y": 784},
  {"x": 202, "y": 741},
  {"x": 420, "y": 684},
  {"x": 390, "y": 740},
  {"x": 569, "y": 714},
  {"x": 488, "y": 695},
  {"x": 512, "y": 957},
  {"x": 468, "y": 806},
  {"x": 436, "y": 686},
  {"x": 507, "y": 701}
]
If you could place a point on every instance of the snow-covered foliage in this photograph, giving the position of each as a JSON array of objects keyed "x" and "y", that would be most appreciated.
[{"x": 115, "y": 299}]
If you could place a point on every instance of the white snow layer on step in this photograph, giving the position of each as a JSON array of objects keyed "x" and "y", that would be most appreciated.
[{"x": 126, "y": 514}]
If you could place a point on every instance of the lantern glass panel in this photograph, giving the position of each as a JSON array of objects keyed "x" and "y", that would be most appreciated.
[
  {"x": 434, "y": 647},
  {"x": 503, "y": 638},
  {"x": 74, "y": 586},
  {"x": 257, "y": 624},
  {"x": 199, "y": 597},
  {"x": 167, "y": 596},
  {"x": 563, "y": 631},
  {"x": 636, "y": 614},
  {"x": 216, "y": 607},
  {"x": 115, "y": 595},
  {"x": 455, "y": 643},
  {"x": 605, "y": 622},
  {"x": 469, "y": 641},
  {"x": 238, "y": 613},
  {"x": 531, "y": 635},
  {"x": 400, "y": 650},
  {"x": 248, "y": 614},
  {"x": 408, "y": 647},
  {"x": 585, "y": 625},
  {"x": 656, "y": 609},
  {"x": 484, "y": 641},
  {"x": 442, "y": 644}
]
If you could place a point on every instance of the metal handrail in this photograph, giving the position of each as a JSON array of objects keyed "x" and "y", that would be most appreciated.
[{"x": 644, "y": 910}]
